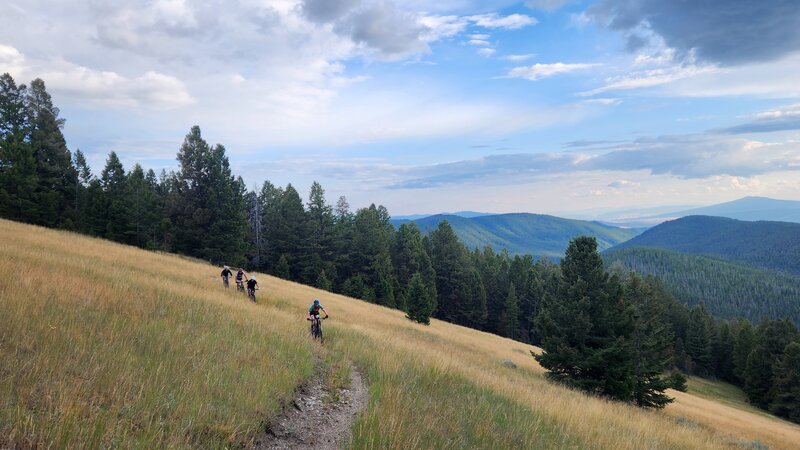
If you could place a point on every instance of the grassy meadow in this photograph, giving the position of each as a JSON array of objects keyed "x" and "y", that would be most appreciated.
[{"x": 103, "y": 345}]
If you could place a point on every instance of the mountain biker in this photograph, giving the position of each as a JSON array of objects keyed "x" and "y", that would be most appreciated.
[
  {"x": 226, "y": 273},
  {"x": 313, "y": 311},
  {"x": 252, "y": 284},
  {"x": 239, "y": 275}
]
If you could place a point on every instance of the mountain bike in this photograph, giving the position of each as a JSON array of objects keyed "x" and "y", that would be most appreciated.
[
  {"x": 240, "y": 286},
  {"x": 251, "y": 294},
  {"x": 316, "y": 327},
  {"x": 225, "y": 282}
]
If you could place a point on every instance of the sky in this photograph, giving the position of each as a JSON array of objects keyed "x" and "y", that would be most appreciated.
[{"x": 425, "y": 106}]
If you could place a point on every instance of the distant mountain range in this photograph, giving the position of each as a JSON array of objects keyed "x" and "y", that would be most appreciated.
[
  {"x": 769, "y": 245},
  {"x": 466, "y": 214},
  {"x": 747, "y": 208},
  {"x": 522, "y": 233}
]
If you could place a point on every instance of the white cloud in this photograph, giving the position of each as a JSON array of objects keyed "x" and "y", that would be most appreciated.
[
  {"x": 649, "y": 78},
  {"x": 519, "y": 58},
  {"x": 603, "y": 101},
  {"x": 539, "y": 71},
  {"x": 510, "y": 22},
  {"x": 486, "y": 52},
  {"x": 478, "y": 42},
  {"x": 780, "y": 112},
  {"x": 621, "y": 184},
  {"x": 99, "y": 88}
]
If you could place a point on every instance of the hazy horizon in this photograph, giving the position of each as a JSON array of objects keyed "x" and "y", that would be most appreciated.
[{"x": 546, "y": 106}]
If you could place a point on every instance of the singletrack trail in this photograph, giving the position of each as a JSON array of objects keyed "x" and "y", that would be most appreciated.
[{"x": 314, "y": 420}]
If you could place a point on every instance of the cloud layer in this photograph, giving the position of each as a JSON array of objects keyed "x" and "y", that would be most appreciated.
[
  {"x": 687, "y": 157},
  {"x": 728, "y": 32}
]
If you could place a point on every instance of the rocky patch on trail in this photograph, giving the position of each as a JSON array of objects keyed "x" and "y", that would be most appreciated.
[{"x": 316, "y": 419}]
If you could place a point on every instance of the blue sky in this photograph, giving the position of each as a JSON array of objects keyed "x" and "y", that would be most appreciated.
[{"x": 549, "y": 106}]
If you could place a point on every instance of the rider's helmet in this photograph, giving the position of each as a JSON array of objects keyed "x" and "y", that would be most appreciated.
[
  {"x": 241, "y": 270},
  {"x": 227, "y": 268},
  {"x": 253, "y": 278},
  {"x": 316, "y": 302}
]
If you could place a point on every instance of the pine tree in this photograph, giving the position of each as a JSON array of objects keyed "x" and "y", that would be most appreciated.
[
  {"x": 115, "y": 199},
  {"x": 18, "y": 176},
  {"x": 651, "y": 341},
  {"x": 451, "y": 265},
  {"x": 142, "y": 208},
  {"x": 323, "y": 282},
  {"x": 82, "y": 181},
  {"x": 508, "y": 323},
  {"x": 282, "y": 268},
  {"x": 772, "y": 337},
  {"x": 289, "y": 234},
  {"x": 225, "y": 237},
  {"x": 409, "y": 257},
  {"x": 420, "y": 304},
  {"x": 56, "y": 178},
  {"x": 786, "y": 384},
  {"x": 743, "y": 345},
  {"x": 320, "y": 232},
  {"x": 722, "y": 352},
  {"x": 189, "y": 212},
  {"x": 698, "y": 340},
  {"x": 584, "y": 327},
  {"x": 473, "y": 313}
]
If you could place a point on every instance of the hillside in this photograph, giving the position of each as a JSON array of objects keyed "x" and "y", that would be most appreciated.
[
  {"x": 108, "y": 346},
  {"x": 728, "y": 289},
  {"x": 522, "y": 233},
  {"x": 771, "y": 245}
]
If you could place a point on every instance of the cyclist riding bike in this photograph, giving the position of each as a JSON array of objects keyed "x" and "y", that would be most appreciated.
[
  {"x": 240, "y": 278},
  {"x": 252, "y": 285},
  {"x": 226, "y": 273},
  {"x": 313, "y": 313}
]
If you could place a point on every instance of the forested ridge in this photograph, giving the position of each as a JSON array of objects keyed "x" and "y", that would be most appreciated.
[
  {"x": 524, "y": 233},
  {"x": 203, "y": 210},
  {"x": 770, "y": 245},
  {"x": 727, "y": 288}
]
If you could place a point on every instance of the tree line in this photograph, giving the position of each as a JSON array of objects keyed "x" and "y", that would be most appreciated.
[{"x": 628, "y": 329}]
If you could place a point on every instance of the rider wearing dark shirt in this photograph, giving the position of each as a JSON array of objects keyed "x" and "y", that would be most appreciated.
[{"x": 252, "y": 284}]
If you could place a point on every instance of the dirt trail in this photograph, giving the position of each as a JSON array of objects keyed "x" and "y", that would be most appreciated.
[{"x": 316, "y": 421}]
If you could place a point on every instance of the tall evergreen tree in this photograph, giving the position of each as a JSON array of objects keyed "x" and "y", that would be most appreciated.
[
  {"x": 18, "y": 176},
  {"x": 698, "y": 340},
  {"x": 450, "y": 263},
  {"x": 142, "y": 208},
  {"x": 508, "y": 323},
  {"x": 56, "y": 177},
  {"x": 651, "y": 340},
  {"x": 408, "y": 258},
  {"x": 585, "y": 327},
  {"x": 114, "y": 199},
  {"x": 320, "y": 233},
  {"x": 772, "y": 337},
  {"x": 420, "y": 303},
  {"x": 743, "y": 345},
  {"x": 288, "y": 239},
  {"x": 189, "y": 210},
  {"x": 82, "y": 181},
  {"x": 786, "y": 386}
]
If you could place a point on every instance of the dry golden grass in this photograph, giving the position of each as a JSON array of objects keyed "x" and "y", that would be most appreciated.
[{"x": 440, "y": 386}]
